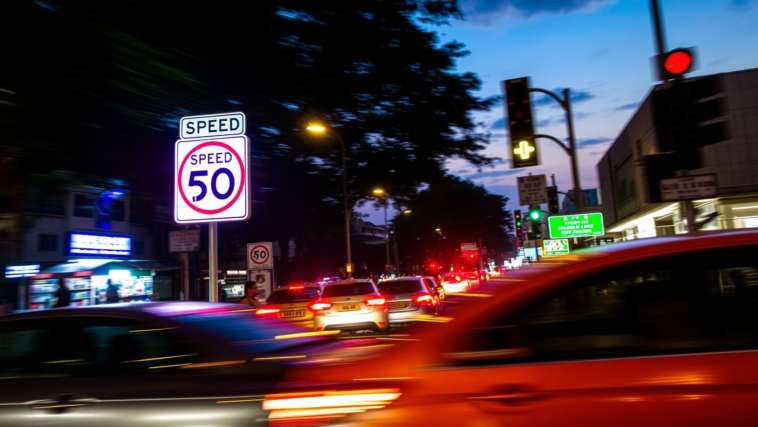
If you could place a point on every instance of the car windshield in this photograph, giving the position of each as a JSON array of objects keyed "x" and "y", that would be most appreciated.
[
  {"x": 393, "y": 287},
  {"x": 286, "y": 296},
  {"x": 249, "y": 333},
  {"x": 348, "y": 289}
]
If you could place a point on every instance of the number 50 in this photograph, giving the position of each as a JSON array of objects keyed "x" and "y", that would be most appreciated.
[{"x": 195, "y": 182}]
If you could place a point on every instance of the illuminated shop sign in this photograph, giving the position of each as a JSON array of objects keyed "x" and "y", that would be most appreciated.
[
  {"x": 19, "y": 271},
  {"x": 98, "y": 244}
]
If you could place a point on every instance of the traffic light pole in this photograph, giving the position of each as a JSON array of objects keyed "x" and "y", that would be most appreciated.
[{"x": 570, "y": 149}]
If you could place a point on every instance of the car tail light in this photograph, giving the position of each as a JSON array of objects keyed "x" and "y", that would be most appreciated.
[
  {"x": 458, "y": 279},
  {"x": 320, "y": 306},
  {"x": 296, "y": 287},
  {"x": 375, "y": 301},
  {"x": 320, "y": 407},
  {"x": 262, "y": 311},
  {"x": 423, "y": 299}
]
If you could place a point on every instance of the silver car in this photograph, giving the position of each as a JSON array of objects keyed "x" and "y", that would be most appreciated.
[
  {"x": 455, "y": 283},
  {"x": 171, "y": 364},
  {"x": 409, "y": 300},
  {"x": 351, "y": 306}
]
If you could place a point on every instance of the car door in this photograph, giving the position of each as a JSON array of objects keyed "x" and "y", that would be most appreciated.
[
  {"x": 95, "y": 371},
  {"x": 666, "y": 342}
]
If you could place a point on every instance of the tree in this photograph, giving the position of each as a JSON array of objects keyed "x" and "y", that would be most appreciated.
[
  {"x": 463, "y": 211},
  {"x": 109, "y": 81}
]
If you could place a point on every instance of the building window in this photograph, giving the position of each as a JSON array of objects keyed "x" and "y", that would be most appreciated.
[
  {"x": 84, "y": 206},
  {"x": 138, "y": 248},
  {"x": 47, "y": 243},
  {"x": 118, "y": 208}
]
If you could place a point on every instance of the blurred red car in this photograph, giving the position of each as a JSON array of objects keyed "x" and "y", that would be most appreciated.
[{"x": 653, "y": 332}]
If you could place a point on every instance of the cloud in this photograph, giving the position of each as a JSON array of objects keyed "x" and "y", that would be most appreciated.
[
  {"x": 498, "y": 124},
  {"x": 577, "y": 96},
  {"x": 485, "y": 11},
  {"x": 629, "y": 106},
  {"x": 493, "y": 174},
  {"x": 560, "y": 120},
  {"x": 586, "y": 142},
  {"x": 719, "y": 61}
]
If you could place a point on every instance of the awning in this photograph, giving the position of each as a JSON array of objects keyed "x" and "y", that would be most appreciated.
[{"x": 100, "y": 266}]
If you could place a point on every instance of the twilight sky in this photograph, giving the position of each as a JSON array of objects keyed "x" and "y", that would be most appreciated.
[{"x": 600, "y": 50}]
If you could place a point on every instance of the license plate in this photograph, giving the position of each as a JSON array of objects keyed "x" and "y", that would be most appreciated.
[
  {"x": 398, "y": 304},
  {"x": 349, "y": 307},
  {"x": 295, "y": 313}
]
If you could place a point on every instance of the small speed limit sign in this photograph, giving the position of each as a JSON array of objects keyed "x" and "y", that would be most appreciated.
[
  {"x": 259, "y": 256},
  {"x": 211, "y": 180}
]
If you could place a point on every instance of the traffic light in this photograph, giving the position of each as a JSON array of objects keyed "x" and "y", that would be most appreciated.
[
  {"x": 535, "y": 213},
  {"x": 677, "y": 62},
  {"x": 552, "y": 200},
  {"x": 519, "y": 229},
  {"x": 520, "y": 126}
]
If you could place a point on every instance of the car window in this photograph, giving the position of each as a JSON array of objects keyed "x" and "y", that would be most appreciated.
[
  {"x": 286, "y": 296},
  {"x": 430, "y": 284},
  {"x": 346, "y": 290},
  {"x": 682, "y": 304},
  {"x": 393, "y": 287},
  {"x": 90, "y": 346}
]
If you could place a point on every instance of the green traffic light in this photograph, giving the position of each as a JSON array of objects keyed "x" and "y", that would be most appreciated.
[{"x": 534, "y": 215}]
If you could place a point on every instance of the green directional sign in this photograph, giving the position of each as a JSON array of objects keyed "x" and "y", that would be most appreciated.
[
  {"x": 556, "y": 247},
  {"x": 584, "y": 225}
]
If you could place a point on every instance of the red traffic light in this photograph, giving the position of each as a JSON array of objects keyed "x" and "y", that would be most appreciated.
[{"x": 678, "y": 61}]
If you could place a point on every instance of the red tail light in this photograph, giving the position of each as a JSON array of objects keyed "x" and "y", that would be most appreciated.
[
  {"x": 320, "y": 306},
  {"x": 423, "y": 299},
  {"x": 296, "y": 287},
  {"x": 375, "y": 301},
  {"x": 262, "y": 311}
]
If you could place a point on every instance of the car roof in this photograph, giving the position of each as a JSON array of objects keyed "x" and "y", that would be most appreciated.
[{"x": 349, "y": 282}]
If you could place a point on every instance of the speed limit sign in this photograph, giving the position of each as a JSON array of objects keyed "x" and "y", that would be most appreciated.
[
  {"x": 211, "y": 180},
  {"x": 259, "y": 256}
]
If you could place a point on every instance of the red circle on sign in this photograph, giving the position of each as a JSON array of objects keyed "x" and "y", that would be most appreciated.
[
  {"x": 268, "y": 255},
  {"x": 236, "y": 196}
]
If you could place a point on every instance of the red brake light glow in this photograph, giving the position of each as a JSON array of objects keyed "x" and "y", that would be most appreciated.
[
  {"x": 423, "y": 299},
  {"x": 262, "y": 311},
  {"x": 375, "y": 301},
  {"x": 320, "y": 306},
  {"x": 457, "y": 278},
  {"x": 296, "y": 287}
]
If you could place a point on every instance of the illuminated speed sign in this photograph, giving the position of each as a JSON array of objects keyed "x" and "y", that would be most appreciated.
[{"x": 211, "y": 180}]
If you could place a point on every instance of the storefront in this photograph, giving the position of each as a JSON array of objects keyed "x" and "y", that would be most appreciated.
[
  {"x": 87, "y": 280},
  {"x": 234, "y": 284}
]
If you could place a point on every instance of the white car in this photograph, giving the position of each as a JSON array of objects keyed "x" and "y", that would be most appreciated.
[
  {"x": 455, "y": 283},
  {"x": 351, "y": 306}
]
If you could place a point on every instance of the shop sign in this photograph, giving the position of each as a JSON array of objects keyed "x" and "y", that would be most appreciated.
[
  {"x": 689, "y": 188},
  {"x": 583, "y": 225},
  {"x": 99, "y": 245},
  {"x": 236, "y": 272},
  {"x": 468, "y": 246},
  {"x": 556, "y": 247},
  {"x": 19, "y": 271},
  {"x": 184, "y": 240}
]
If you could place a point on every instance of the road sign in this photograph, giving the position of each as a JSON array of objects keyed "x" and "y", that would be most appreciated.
[
  {"x": 468, "y": 246},
  {"x": 184, "y": 240},
  {"x": 689, "y": 188},
  {"x": 259, "y": 256},
  {"x": 211, "y": 180},
  {"x": 556, "y": 247},
  {"x": 532, "y": 190},
  {"x": 212, "y": 125},
  {"x": 583, "y": 225}
]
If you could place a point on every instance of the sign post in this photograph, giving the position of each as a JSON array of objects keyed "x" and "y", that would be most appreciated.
[{"x": 212, "y": 178}]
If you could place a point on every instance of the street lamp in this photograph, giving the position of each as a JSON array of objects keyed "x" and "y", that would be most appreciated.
[
  {"x": 320, "y": 129},
  {"x": 394, "y": 233},
  {"x": 374, "y": 192}
]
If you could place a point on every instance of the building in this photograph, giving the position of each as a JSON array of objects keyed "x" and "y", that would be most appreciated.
[
  {"x": 75, "y": 234},
  {"x": 592, "y": 201},
  {"x": 370, "y": 233},
  {"x": 627, "y": 208}
]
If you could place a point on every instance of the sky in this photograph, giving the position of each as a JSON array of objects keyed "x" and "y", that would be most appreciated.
[{"x": 601, "y": 50}]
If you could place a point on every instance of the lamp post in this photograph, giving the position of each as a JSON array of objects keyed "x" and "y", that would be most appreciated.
[
  {"x": 374, "y": 192},
  {"x": 396, "y": 267},
  {"x": 318, "y": 129}
]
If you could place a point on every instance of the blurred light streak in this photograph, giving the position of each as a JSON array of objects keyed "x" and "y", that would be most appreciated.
[
  {"x": 306, "y": 334},
  {"x": 159, "y": 358},
  {"x": 258, "y": 359},
  {"x": 168, "y": 366},
  {"x": 151, "y": 330},
  {"x": 214, "y": 364}
]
